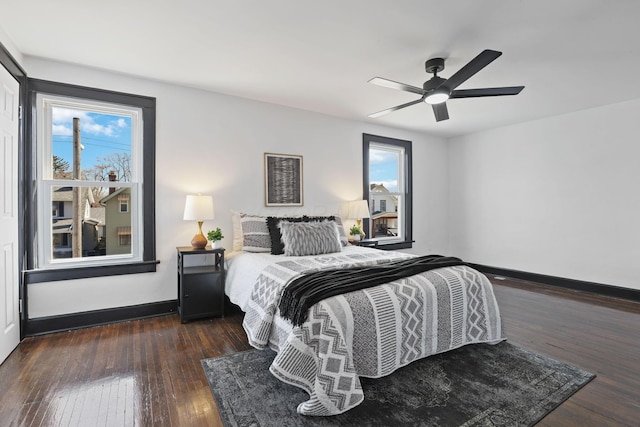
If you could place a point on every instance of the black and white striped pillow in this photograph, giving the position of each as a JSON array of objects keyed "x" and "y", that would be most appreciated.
[
  {"x": 309, "y": 238},
  {"x": 255, "y": 234}
]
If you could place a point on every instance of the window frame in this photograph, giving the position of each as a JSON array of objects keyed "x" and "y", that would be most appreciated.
[
  {"x": 406, "y": 190},
  {"x": 47, "y": 183},
  {"x": 146, "y": 262}
]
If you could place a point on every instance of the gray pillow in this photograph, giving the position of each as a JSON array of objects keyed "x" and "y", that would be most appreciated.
[
  {"x": 344, "y": 240},
  {"x": 309, "y": 238}
]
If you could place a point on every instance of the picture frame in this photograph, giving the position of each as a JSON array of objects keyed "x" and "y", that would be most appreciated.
[{"x": 283, "y": 180}]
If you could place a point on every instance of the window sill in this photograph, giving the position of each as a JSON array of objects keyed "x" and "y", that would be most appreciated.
[
  {"x": 407, "y": 244},
  {"x": 40, "y": 276}
]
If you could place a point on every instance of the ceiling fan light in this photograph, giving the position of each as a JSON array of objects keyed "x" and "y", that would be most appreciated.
[{"x": 437, "y": 97}]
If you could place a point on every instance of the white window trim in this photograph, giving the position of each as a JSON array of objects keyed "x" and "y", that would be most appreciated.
[
  {"x": 45, "y": 183},
  {"x": 399, "y": 194}
]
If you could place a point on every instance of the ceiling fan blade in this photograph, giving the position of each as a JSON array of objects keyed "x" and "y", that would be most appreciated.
[
  {"x": 490, "y": 91},
  {"x": 441, "y": 112},
  {"x": 396, "y": 85},
  {"x": 485, "y": 58},
  {"x": 398, "y": 107}
]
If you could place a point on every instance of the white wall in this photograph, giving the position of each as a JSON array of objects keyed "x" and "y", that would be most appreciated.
[
  {"x": 558, "y": 196},
  {"x": 8, "y": 45},
  {"x": 214, "y": 144}
]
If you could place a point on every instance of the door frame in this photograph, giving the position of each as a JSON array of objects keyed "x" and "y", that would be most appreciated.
[{"x": 14, "y": 68}]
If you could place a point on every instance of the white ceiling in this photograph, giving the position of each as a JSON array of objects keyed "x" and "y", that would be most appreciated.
[{"x": 318, "y": 55}]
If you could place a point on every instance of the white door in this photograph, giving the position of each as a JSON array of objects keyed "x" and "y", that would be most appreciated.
[{"x": 9, "y": 295}]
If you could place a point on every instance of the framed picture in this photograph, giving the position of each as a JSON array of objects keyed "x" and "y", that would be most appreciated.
[{"x": 282, "y": 180}]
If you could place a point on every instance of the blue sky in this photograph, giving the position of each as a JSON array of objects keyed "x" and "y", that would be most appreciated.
[
  {"x": 383, "y": 168},
  {"x": 100, "y": 134}
]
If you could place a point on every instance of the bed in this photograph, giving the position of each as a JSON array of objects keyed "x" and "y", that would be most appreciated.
[{"x": 365, "y": 333}]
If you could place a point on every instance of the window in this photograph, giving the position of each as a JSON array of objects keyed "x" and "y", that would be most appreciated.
[
  {"x": 388, "y": 185},
  {"x": 123, "y": 203},
  {"x": 55, "y": 209},
  {"x": 94, "y": 167},
  {"x": 124, "y": 237}
]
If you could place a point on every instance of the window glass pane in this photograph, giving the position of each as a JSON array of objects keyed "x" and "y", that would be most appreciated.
[
  {"x": 105, "y": 145},
  {"x": 384, "y": 184},
  {"x": 86, "y": 226},
  {"x": 384, "y": 169},
  {"x": 386, "y": 223}
]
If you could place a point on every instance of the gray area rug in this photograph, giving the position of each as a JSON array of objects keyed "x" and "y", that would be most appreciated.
[{"x": 476, "y": 385}]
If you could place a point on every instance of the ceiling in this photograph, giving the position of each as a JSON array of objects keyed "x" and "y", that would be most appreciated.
[{"x": 318, "y": 55}]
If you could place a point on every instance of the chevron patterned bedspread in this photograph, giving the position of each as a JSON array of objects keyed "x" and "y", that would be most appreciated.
[{"x": 371, "y": 332}]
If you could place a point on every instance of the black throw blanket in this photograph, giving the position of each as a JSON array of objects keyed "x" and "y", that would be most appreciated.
[{"x": 305, "y": 291}]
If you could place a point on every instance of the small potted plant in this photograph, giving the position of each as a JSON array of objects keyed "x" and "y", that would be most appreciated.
[
  {"x": 356, "y": 232},
  {"x": 216, "y": 238}
]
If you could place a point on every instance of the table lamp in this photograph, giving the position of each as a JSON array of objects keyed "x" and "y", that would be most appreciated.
[
  {"x": 198, "y": 208},
  {"x": 358, "y": 210}
]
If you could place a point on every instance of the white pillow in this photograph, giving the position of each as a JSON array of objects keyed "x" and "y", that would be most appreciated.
[{"x": 237, "y": 231}]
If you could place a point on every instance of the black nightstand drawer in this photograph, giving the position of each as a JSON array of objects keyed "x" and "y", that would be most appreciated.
[{"x": 202, "y": 295}]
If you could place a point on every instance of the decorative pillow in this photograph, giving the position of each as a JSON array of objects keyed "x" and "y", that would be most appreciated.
[
  {"x": 344, "y": 240},
  {"x": 309, "y": 238},
  {"x": 237, "y": 231},
  {"x": 255, "y": 234},
  {"x": 308, "y": 218},
  {"x": 277, "y": 247}
]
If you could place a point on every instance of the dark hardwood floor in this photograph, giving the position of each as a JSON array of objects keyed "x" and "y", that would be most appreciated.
[{"x": 148, "y": 372}]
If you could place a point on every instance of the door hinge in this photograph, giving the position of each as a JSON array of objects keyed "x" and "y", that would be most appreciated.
[
  {"x": 20, "y": 112},
  {"x": 20, "y": 310}
]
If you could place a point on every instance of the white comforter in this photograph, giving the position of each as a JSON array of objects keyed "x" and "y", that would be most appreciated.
[{"x": 368, "y": 333}]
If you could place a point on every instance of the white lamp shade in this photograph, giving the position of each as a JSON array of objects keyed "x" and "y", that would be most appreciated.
[
  {"x": 359, "y": 209},
  {"x": 198, "y": 208}
]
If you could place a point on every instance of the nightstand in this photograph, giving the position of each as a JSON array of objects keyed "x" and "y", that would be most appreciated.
[{"x": 201, "y": 287}]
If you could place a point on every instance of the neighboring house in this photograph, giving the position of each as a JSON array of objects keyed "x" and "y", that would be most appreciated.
[
  {"x": 62, "y": 223},
  {"x": 384, "y": 211},
  {"x": 117, "y": 214}
]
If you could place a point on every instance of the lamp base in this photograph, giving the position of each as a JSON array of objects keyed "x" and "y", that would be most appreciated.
[{"x": 199, "y": 241}]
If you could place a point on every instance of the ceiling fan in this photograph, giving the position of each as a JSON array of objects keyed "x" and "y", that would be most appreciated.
[{"x": 437, "y": 90}]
